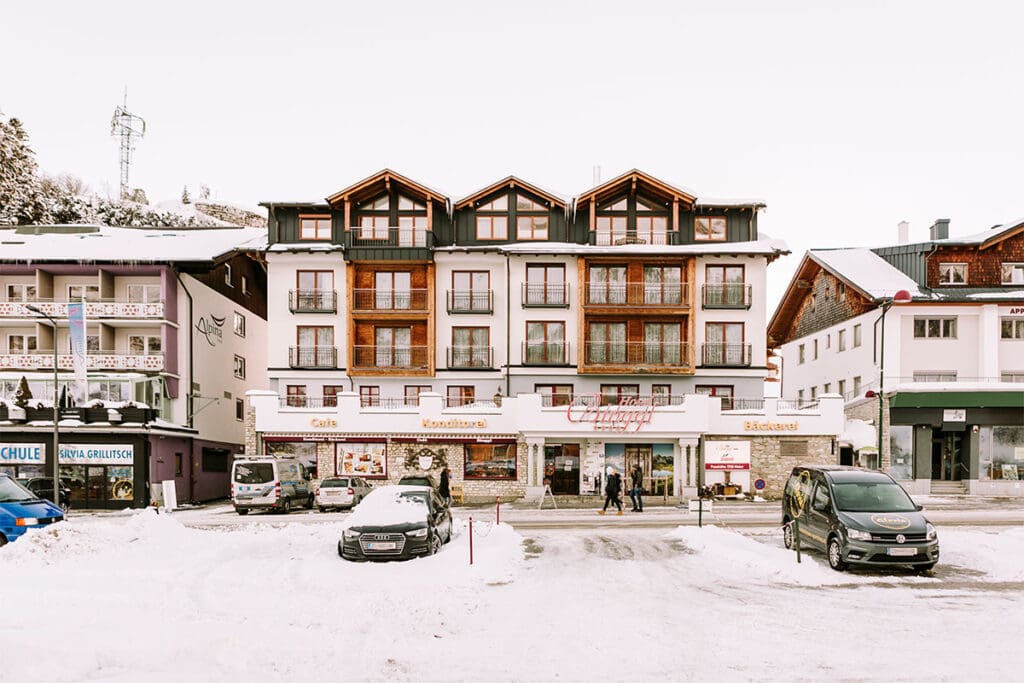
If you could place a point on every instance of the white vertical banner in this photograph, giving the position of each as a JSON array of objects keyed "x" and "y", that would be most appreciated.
[{"x": 76, "y": 324}]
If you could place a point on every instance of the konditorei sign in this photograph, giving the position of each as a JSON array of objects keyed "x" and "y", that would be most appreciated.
[
  {"x": 629, "y": 414},
  {"x": 97, "y": 454},
  {"x": 22, "y": 453}
]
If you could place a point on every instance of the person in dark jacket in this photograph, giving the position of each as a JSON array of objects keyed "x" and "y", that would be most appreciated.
[
  {"x": 636, "y": 478},
  {"x": 612, "y": 488},
  {"x": 444, "y": 488}
]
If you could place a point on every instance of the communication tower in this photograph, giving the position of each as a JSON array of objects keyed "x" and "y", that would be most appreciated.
[{"x": 128, "y": 127}]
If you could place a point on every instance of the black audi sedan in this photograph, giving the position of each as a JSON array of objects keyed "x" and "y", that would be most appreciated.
[{"x": 396, "y": 523}]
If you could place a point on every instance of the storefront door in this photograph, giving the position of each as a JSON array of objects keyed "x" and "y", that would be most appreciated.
[
  {"x": 947, "y": 456},
  {"x": 644, "y": 456},
  {"x": 562, "y": 469},
  {"x": 99, "y": 486}
]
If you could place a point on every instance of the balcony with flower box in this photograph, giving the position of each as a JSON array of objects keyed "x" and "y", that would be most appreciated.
[{"x": 95, "y": 309}]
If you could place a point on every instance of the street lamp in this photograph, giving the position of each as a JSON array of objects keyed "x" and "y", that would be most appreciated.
[
  {"x": 900, "y": 297},
  {"x": 56, "y": 412}
]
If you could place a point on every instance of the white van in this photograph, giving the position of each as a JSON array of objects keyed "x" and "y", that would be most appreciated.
[{"x": 270, "y": 483}]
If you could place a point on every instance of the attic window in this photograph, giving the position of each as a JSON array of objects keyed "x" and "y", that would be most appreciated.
[
  {"x": 527, "y": 204},
  {"x": 953, "y": 273},
  {"x": 406, "y": 204},
  {"x": 709, "y": 228},
  {"x": 497, "y": 204},
  {"x": 381, "y": 203}
]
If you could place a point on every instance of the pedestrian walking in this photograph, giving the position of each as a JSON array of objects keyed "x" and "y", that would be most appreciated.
[
  {"x": 636, "y": 477},
  {"x": 444, "y": 488},
  {"x": 612, "y": 489}
]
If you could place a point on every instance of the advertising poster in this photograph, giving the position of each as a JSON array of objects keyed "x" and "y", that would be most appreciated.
[
  {"x": 362, "y": 459},
  {"x": 76, "y": 323},
  {"x": 727, "y": 463}
]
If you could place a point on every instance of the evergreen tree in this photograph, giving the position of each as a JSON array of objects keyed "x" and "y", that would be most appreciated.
[
  {"x": 23, "y": 395},
  {"x": 22, "y": 200},
  {"x": 185, "y": 197}
]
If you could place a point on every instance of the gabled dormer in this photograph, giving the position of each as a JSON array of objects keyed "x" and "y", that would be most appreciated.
[
  {"x": 637, "y": 208},
  {"x": 510, "y": 210},
  {"x": 388, "y": 216}
]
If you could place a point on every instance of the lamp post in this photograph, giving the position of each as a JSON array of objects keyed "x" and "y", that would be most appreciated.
[
  {"x": 900, "y": 297},
  {"x": 56, "y": 410}
]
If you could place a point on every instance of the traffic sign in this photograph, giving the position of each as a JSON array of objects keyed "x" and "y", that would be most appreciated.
[{"x": 759, "y": 484}]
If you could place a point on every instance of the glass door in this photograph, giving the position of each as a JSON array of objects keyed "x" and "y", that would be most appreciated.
[
  {"x": 95, "y": 486},
  {"x": 644, "y": 456},
  {"x": 562, "y": 469},
  {"x": 947, "y": 456}
]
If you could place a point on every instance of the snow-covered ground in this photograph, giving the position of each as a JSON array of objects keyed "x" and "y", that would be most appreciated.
[{"x": 140, "y": 596}]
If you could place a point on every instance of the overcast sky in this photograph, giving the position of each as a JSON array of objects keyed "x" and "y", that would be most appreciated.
[{"x": 844, "y": 117}]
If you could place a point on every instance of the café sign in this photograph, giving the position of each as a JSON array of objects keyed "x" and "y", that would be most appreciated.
[{"x": 629, "y": 415}]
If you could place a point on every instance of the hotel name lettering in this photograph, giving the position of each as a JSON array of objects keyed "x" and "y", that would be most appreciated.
[{"x": 754, "y": 426}]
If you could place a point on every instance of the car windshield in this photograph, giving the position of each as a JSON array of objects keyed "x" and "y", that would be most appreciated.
[
  {"x": 872, "y": 497},
  {"x": 13, "y": 492},
  {"x": 333, "y": 483},
  {"x": 254, "y": 472}
]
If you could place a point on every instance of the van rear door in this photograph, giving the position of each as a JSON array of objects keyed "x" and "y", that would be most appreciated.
[{"x": 253, "y": 482}]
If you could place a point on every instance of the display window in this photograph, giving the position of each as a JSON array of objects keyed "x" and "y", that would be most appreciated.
[
  {"x": 490, "y": 461},
  {"x": 361, "y": 459}
]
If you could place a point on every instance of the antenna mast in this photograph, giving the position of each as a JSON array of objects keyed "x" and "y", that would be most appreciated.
[{"x": 125, "y": 125}]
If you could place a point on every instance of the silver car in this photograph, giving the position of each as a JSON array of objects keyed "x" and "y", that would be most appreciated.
[{"x": 341, "y": 492}]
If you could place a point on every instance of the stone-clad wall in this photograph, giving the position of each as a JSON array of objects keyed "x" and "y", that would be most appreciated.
[{"x": 768, "y": 463}]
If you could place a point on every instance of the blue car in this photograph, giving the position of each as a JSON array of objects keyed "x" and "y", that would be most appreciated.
[{"x": 21, "y": 510}]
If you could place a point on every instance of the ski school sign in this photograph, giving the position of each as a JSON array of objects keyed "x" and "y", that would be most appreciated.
[
  {"x": 629, "y": 415},
  {"x": 21, "y": 453}
]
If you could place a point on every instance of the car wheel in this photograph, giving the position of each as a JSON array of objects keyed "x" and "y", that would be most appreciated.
[
  {"x": 241, "y": 511},
  {"x": 787, "y": 535},
  {"x": 3, "y": 540},
  {"x": 835, "y": 555},
  {"x": 286, "y": 506},
  {"x": 435, "y": 543}
]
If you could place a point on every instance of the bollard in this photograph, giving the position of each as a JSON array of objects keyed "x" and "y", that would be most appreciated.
[
  {"x": 497, "y": 509},
  {"x": 796, "y": 538},
  {"x": 700, "y": 512},
  {"x": 471, "y": 540}
]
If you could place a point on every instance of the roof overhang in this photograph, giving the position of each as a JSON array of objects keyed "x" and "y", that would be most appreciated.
[
  {"x": 636, "y": 178},
  {"x": 382, "y": 179},
  {"x": 510, "y": 182}
]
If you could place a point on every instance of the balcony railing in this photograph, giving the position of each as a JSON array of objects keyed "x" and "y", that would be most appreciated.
[
  {"x": 550, "y": 401},
  {"x": 313, "y": 301},
  {"x": 727, "y": 296},
  {"x": 389, "y": 300},
  {"x": 726, "y": 355},
  {"x": 545, "y": 353},
  {"x": 462, "y": 401},
  {"x": 669, "y": 354},
  {"x": 308, "y": 401},
  {"x": 94, "y": 360},
  {"x": 546, "y": 295},
  {"x": 313, "y": 356},
  {"x": 637, "y": 294},
  {"x": 358, "y": 237},
  {"x": 388, "y": 357},
  {"x": 657, "y": 237},
  {"x": 470, "y": 301},
  {"x": 94, "y": 308},
  {"x": 470, "y": 356}
]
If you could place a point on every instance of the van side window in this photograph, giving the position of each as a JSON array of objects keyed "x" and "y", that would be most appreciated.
[{"x": 821, "y": 500}]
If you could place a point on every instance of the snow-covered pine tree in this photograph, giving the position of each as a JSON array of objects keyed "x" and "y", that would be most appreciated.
[
  {"x": 23, "y": 394},
  {"x": 186, "y": 198},
  {"x": 22, "y": 201}
]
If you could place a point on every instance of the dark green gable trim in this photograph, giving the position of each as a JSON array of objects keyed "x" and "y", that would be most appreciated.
[
  {"x": 959, "y": 399},
  {"x": 465, "y": 219}
]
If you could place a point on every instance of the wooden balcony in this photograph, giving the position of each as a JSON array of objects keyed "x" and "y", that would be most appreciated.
[
  {"x": 95, "y": 360},
  {"x": 95, "y": 309},
  {"x": 390, "y": 300},
  {"x": 635, "y": 356},
  {"x": 313, "y": 301},
  {"x": 637, "y": 295},
  {"x": 388, "y": 359}
]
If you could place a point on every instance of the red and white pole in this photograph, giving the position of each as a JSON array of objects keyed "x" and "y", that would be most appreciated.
[{"x": 471, "y": 540}]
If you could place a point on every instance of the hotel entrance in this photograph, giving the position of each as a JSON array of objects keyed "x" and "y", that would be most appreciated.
[
  {"x": 562, "y": 469},
  {"x": 949, "y": 457}
]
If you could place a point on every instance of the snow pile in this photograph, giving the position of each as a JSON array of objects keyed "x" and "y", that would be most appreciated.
[
  {"x": 386, "y": 506},
  {"x": 996, "y": 553}
]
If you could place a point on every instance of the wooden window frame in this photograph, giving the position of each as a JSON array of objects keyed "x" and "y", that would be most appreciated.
[
  {"x": 330, "y": 392},
  {"x": 547, "y": 284},
  {"x": 1013, "y": 266},
  {"x": 656, "y": 400},
  {"x": 608, "y": 282},
  {"x": 295, "y": 395},
  {"x": 546, "y": 342},
  {"x": 419, "y": 388},
  {"x": 714, "y": 389},
  {"x": 369, "y": 395},
  {"x": 318, "y": 329},
  {"x": 462, "y": 393},
  {"x": 572, "y": 392},
  {"x": 619, "y": 393},
  {"x": 472, "y": 349},
  {"x": 318, "y": 230},
  {"x": 530, "y": 220},
  {"x": 951, "y": 267},
  {"x": 710, "y": 234},
  {"x": 470, "y": 290},
  {"x": 490, "y": 235}
]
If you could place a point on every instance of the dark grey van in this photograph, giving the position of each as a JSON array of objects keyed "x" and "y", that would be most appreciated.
[{"x": 857, "y": 516}]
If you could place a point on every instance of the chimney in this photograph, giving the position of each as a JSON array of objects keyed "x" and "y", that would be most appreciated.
[
  {"x": 903, "y": 233},
  {"x": 940, "y": 230}
]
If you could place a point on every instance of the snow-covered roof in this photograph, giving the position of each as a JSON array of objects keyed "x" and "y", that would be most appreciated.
[
  {"x": 762, "y": 246},
  {"x": 719, "y": 202},
  {"x": 984, "y": 236},
  {"x": 127, "y": 245},
  {"x": 867, "y": 271},
  {"x": 858, "y": 434}
]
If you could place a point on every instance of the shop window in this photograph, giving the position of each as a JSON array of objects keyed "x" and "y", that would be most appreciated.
[
  {"x": 901, "y": 452},
  {"x": 361, "y": 459},
  {"x": 490, "y": 461},
  {"x": 793, "y": 449},
  {"x": 998, "y": 449},
  {"x": 215, "y": 459}
]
